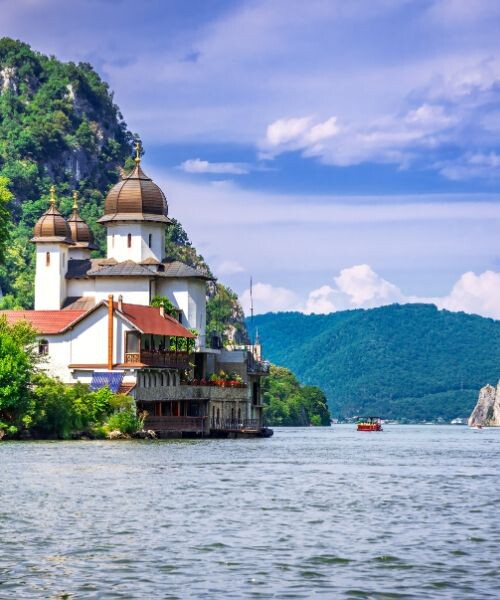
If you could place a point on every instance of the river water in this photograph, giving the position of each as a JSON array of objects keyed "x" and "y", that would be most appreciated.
[{"x": 410, "y": 512}]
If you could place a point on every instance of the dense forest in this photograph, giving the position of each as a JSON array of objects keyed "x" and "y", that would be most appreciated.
[
  {"x": 59, "y": 125},
  {"x": 288, "y": 403},
  {"x": 411, "y": 362}
]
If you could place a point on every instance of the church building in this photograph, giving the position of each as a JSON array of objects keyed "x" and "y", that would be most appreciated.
[{"x": 96, "y": 324}]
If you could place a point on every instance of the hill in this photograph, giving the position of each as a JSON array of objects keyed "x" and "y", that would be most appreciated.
[
  {"x": 411, "y": 362},
  {"x": 59, "y": 125}
]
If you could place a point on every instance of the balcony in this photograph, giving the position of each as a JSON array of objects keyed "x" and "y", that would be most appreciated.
[
  {"x": 191, "y": 392},
  {"x": 159, "y": 358}
]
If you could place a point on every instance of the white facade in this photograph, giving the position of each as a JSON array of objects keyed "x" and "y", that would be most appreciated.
[
  {"x": 189, "y": 296},
  {"x": 84, "y": 347},
  {"x": 135, "y": 240},
  {"x": 50, "y": 277}
]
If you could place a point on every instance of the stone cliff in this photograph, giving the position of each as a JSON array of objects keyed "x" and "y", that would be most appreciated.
[{"x": 487, "y": 410}]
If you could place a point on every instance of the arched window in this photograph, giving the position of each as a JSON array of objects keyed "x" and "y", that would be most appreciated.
[
  {"x": 129, "y": 240},
  {"x": 43, "y": 347},
  {"x": 47, "y": 259},
  {"x": 150, "y": 240}
]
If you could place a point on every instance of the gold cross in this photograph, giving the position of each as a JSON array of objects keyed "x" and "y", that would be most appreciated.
[
  {"x": 138, "y": 152},
  {"x": 75, "y": 200},
  {"x": 52, "y": 195}
]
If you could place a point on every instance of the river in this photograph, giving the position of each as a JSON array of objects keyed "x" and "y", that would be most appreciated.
[{"x": 410, "y": 512}]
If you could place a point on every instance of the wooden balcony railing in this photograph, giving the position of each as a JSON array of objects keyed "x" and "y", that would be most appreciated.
[
  {"x": 189, "y": 424},
  {"x": 171, "y": 360}
]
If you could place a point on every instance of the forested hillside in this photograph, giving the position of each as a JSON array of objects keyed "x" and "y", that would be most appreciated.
[
  {"x": 59, "y": 125},
  {"x": 405, "y": 362}
]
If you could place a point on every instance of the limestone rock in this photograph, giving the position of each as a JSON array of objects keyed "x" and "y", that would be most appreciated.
[
  {"x": 117, "y": 435},
  {"x": 145, "y": 434},
  {"x": 487, "y": 410}
]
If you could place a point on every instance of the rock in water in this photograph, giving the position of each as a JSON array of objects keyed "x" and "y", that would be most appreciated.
[{"x": 487, "y": 410}]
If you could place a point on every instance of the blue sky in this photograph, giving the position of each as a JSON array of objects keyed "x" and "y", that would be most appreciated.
[{"x": 343, "y": 153}]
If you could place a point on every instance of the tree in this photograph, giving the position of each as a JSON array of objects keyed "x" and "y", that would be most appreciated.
[
  {"x": 168, "y": 306},
  {"x": 6, "y": 197},
  {"x": 18, "y": 360}
]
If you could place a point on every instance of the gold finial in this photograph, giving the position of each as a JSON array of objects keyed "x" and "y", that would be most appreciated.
[
  {"x": 137, "y": 152},
  {"x": 52, "y": 196},
  {"x": 75, "y": 200}
]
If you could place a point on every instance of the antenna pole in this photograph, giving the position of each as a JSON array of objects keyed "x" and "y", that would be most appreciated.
[{"x": 251, "y": 310}]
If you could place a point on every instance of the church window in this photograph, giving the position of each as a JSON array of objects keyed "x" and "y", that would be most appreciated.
[
  {"x": 43, "y": 347},
  {"x": 47, "y": 259},
  {"x": 113, "y": 241},
  {"x": 150, "y": 240},
  {"x": 129, "y": 240}
]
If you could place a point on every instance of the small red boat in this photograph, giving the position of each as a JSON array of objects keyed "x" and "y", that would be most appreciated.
[{"x": 370, "y": 424}]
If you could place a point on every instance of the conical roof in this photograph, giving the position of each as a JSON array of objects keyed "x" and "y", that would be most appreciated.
[
  {"x": 80, "y": 231},
  {"x": 52, "y": 226},
  {"x": 135, "y": 198}
]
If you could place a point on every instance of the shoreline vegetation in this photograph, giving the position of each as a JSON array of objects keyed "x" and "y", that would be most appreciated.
[{"x": 36, "y": 406}]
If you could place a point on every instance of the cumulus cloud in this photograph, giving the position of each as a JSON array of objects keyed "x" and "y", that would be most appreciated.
[
  {"x": 196, "y": 165},
  {"x": 361, "y": 287},
  {"x": 477, "y": 294},
  {"x": 356, "y": 287}
]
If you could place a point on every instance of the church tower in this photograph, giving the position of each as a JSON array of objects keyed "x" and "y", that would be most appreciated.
[
  {"x": 136, "y": 217},
  {"x": 80, "y": 234},
  {"x": 52, "y": 237}
]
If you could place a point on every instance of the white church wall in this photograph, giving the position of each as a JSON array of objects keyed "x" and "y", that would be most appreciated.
[
  {"x": 135, "y": 290},
  {"x": 189, "y": 296},
  {"x": 80, "y": 287},
  {"x": 139, "y": 250},
  {"x": 50, "y": 281},
  {"x": 85, "y": 344}
]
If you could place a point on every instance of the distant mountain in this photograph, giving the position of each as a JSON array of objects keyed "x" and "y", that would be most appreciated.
[{"x": 411, "y": 362}]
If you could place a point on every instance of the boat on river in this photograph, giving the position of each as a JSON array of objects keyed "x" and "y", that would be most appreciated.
[{"x": 370, "y": 424}]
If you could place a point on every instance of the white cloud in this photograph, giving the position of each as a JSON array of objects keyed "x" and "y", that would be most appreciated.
[
  {"x": 360, "y": 287},
  {"x": 472, "y": 166},
  {"x": 196, "y": 165},
  {"x": 268, "y": 298},
  {"x": 478, "y": 294},
  {"x": 229, "y": 267}
]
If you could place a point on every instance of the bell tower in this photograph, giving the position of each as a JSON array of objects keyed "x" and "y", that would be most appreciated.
[
  {"x": 52, "y": 237},
  {"x": 136, "y": 217}
]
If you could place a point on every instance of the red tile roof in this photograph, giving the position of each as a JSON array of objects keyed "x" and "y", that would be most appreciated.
[
  {"x": 149, "y": 320},
  {"x": 44, "y": 321}
]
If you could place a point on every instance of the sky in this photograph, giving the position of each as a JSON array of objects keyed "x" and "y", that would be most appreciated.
[{"x": 342, "y": 154}]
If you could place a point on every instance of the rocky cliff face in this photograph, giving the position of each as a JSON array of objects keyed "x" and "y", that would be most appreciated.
[{"x": 487, "y": 410}]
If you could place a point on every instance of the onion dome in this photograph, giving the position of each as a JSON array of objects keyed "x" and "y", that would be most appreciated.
[
  {"x": 52, "y": 226},
  {"x": 135, "y": 198},
  {"x": 80, "y": 231}
]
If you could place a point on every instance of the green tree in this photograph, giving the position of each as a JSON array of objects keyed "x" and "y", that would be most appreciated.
[
  {"x": 6, "y": 197},
  {"x": 18, "y": 360},
  {"x": 287, "y": 403}
]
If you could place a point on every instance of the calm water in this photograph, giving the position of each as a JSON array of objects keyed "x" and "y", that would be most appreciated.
[{"x": 411, "y": 512}]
